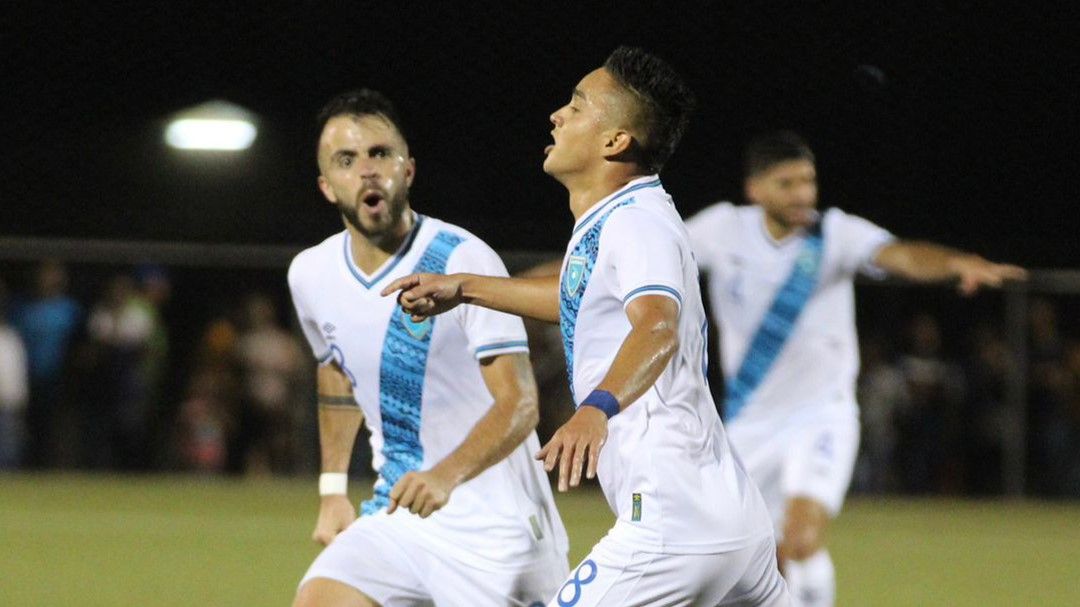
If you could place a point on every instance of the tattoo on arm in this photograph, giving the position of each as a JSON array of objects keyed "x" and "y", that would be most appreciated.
[{"x": 337, "y": 401}]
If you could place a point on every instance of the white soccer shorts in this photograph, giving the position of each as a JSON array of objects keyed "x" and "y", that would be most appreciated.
[
  {"x": 615, "y": 574},
  {"x": 811, "y": 459},
  {"x": 392, "y": 561}
]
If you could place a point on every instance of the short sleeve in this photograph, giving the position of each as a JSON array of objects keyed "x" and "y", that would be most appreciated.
[
  {"x": 858, "y": 241},
  {"x": 705, "y": 229},
  {"x": 490, "y": 333},
  {"x": 645, "y": 253},
  {"x": 308, "y": 324}
]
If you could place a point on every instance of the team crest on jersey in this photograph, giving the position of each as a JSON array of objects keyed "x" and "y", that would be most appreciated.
[
  {"x": 418, "y": 330},
  {"x": 575, "y": 272}
]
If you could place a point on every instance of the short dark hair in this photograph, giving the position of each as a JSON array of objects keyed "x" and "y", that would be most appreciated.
[
  {"x": 361, "y": 102},
  {"x": 664, "y": 99},
  {"x": 770, "y": 149}
]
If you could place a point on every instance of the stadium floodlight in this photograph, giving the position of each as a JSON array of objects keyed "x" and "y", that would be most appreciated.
[{"x": 214, "y": 125}]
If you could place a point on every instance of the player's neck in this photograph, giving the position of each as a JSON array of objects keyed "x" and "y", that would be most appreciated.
[
  {"x": 368, "y": 253},
  {"x": 777, "y": 229},
  {"x": 585, "y": 193}
]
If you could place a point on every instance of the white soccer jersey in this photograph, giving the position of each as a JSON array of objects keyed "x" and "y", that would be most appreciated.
[
  {"x": 814, "y": 373},
  {"x": 419, "y": 384},
  {"x": 666, "y": 469}
]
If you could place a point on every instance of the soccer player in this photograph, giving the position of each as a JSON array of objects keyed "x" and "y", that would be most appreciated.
[
  {"x": 781, "y": 290},
  {"x": 461, "y": 514},
  {"x": 691, "y": 528}
]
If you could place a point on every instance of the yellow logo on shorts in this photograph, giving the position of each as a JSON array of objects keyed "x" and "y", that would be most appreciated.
[{"x": 635, "y": 513}]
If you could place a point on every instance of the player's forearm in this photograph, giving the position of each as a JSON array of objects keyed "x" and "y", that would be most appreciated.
[
  {"x": 494, "y": 436},
  {"x": 643, "y": 356},
  {"x": 338, "y": 426},
  {"x": 536, "y": 298},
  {"x": 920, "y": 261}
]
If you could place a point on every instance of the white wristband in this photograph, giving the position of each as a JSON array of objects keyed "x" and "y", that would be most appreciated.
[{"x": 334, "y": 483}]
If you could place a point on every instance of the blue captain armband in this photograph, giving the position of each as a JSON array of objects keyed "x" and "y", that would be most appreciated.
[{"x": 603, "y": 400}]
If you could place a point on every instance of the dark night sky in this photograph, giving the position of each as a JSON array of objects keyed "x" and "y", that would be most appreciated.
[{"x": 970, "y": 140}]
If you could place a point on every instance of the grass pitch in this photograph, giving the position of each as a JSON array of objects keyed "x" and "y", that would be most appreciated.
[{"x": 162, "y": 541}]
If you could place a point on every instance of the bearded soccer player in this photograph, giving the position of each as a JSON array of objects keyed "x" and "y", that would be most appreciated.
[
  {"x": 461, "y": 514},
  {"x": 691, "y": 527},
  {"x": 781, "y": 286}
]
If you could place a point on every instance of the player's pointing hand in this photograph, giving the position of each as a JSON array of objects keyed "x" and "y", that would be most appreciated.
[
  {"x": 424, "y": 295},
  {"x": 975, "y": 272},
  {"x": 582, "y": 437}
]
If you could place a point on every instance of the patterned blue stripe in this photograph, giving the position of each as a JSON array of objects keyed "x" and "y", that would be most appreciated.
[
  {"x": 662, "y": 288},
  {"x": 502, "y": 345},
  {"x": 401, "y": 252},
  {"x": 777, "y": 325},
  {"x": 576, "y": 274},
  {"x": 401, "y": 382},
  {"x": 655, "y": 183}
]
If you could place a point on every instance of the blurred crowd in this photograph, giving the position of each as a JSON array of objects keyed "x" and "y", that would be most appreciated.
[
  {"x": 95, "y": 385},
  {"x": 938, "y": 424},
  {"x": 109, "y": 383}
]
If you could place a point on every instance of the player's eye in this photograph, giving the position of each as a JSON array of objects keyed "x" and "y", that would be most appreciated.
[
  {"x": 380, "y": 153},
  {"x": 345, "y": 161}
]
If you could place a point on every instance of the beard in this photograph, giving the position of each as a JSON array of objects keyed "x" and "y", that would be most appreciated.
[{"x": 380, "y": 229}]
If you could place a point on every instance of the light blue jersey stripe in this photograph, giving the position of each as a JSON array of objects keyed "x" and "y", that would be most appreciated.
[
  {"x": 654, "y": 289},
  {"x": 777, "y": 325},
  {"x": 502, "y": 346},
  {"x": 401, "y": 382},
  {"x": 579, "y": 268}
]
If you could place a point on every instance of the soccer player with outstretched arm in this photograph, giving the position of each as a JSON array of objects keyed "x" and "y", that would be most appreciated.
[{"x": 780, "y": 283}]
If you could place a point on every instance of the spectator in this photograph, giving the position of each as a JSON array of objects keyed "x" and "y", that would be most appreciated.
[
  {"x": 47, "y": 323},
  {"x": 271, "y": 364},
  {"x": 928, "y": 441},
  {"x": 883, "y": 396}
]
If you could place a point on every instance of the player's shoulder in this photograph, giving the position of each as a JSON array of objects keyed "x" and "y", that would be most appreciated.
[
  {"x": 468, "y": 246},
  {"x": 306, "y": 262},
  {"x": 837, "y": 220}
]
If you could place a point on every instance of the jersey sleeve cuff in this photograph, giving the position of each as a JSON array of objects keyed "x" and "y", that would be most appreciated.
[
  {"x": 501, "y": 347},
  {"x": 653, "y": 290}
]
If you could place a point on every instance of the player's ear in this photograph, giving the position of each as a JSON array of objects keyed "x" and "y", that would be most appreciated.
[
  {"x": 410, "y": 171},
  {"x": 327, "y": 191},
  {"x": 751, "y": 188},
  {"x": 617, "y": 142}
]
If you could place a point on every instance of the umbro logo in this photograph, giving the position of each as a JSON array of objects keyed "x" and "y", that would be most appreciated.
[{"x": 328, "y": 328}]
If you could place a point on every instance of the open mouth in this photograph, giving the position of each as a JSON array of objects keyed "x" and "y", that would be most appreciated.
[{"x": 372, "y": 199}]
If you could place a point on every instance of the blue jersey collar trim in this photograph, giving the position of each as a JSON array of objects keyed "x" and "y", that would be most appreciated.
[{"x": 402, "y": 251}]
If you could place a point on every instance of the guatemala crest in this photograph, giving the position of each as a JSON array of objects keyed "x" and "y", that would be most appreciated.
[
  {"x": 418, "y": 330},
  {"x": 575, "y": 271}
]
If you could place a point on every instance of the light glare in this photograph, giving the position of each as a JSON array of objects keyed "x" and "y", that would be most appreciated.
[{"x": 210, "y": 134}]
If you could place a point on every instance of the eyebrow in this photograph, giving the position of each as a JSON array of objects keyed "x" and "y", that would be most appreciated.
[{"x": 578, "y": 93}]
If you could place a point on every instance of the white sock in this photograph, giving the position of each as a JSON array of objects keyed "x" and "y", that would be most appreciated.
[{"x": 812, "y": 581}]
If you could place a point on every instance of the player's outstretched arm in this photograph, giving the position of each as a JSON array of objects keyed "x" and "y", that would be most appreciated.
[
  {"x": 339, "y": 421},
  {"x": 642, "y": 357},
  {"x": 430, "y": 294},
  {"x": 509, "y": 421},
  {"x": 928, "y": 262}
]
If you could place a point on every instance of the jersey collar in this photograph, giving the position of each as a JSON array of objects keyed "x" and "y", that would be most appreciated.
[
  {"x": 641, "y": 183},
  {"x": 390, "y": 264}
]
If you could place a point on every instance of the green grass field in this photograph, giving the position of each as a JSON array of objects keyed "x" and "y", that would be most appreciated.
[{"x": 87, "y": 541}]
